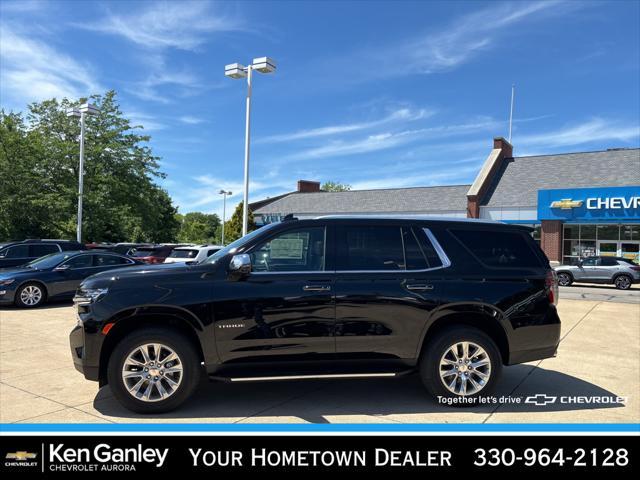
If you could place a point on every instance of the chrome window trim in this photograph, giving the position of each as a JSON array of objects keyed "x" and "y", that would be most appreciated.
[
  {"x": 436, "y": 245},
  {"x": 439, "y": 250}
]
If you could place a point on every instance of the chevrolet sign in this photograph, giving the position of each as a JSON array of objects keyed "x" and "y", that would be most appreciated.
[{"x": 566, "y": 204}]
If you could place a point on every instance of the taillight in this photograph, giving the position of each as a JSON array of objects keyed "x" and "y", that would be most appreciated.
[
  {"x": 637, "y": 269},
  {"x": 155, "y": 260},
  {"x": 551, "y": 284}
]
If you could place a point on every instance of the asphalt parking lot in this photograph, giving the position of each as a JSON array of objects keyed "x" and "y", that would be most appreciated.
[{"x": 599, "y": 356}]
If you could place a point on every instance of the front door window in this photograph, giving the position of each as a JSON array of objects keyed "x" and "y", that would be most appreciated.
[{"x": 301, "y": 250}]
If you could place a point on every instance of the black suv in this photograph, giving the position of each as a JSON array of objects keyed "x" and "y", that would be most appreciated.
[
  {"x": 454, "y": 300},
  {"x": 13, "y": 254}
]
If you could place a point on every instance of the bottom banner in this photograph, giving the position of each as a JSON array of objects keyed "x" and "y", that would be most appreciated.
[{"x": 63, "y": 455}]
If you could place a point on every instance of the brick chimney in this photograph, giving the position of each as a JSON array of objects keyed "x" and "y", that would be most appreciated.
[
  {"x": 307, "y": 186},
  {"x": 502, "y": 150}
]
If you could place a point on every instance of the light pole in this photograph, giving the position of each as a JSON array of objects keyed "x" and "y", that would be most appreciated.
[
  {"x": 84, "y": 110},
  {"x": 236, "y": 70},
  {"x": 224, "y": 210}
]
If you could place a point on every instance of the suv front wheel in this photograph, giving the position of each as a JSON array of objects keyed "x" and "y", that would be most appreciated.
[
  {"x": 461, "y": 364},
  {"x": 153, "y": 370}
]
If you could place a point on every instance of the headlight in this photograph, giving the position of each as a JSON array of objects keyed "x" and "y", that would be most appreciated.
[
  {"x": 89, "y": 295},
  {"x": 9, "y": 281}
]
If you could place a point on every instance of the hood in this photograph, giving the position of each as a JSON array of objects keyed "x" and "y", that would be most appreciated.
[
  {"x": 134, "y": 273},
  {"x": 11, "y": 272}
]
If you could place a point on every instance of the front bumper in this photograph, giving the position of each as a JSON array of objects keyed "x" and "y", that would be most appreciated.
[
  {"x": 79, "y": 354},
  {"x": 7, "y": 295}
]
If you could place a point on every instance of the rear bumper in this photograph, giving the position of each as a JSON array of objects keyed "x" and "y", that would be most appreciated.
[{"x": 536, "y": 340}]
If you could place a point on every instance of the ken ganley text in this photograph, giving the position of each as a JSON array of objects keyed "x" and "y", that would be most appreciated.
[{"x": 262, "y": 457}]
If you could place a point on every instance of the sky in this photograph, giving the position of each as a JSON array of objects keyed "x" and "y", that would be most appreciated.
[{"x": 373, "y": 94}]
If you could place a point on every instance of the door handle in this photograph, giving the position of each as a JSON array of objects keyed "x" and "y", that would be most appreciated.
[
  {"x": 419, "y": 287},
  {"x": 316, "y": 288}
]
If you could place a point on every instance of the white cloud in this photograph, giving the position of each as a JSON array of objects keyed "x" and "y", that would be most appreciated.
[
  {"x": 148, "y": 122},
  {"x": 410, "y": 179},
  {"x": 183, "y": 25},
  {"x": 33, "y": 70},
  {"x": 386, "y": 140},
  {"x": 458, "y": 42},
  {"x": 152, "y": 87},
  {"x": 594, "y": 130},
  {"x": 191, "y": 120},
  {"x": 472, "y": 33},
  {"x": 399, "y": 115}
]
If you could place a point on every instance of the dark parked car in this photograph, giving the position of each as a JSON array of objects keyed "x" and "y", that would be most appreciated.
[
  {"x": 152, "y": 254},
  {"x": 453, "y": 300},
  {"x": 618, "y": 271},
  {"x": 55, "y": 276},
  {"x": 18, "y": 253}
]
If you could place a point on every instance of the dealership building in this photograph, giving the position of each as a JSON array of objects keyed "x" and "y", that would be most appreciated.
[{"x": 579, "y": 204}]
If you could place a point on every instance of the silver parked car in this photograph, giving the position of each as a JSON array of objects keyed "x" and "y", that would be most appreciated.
[{"x": 619, "y": 271}]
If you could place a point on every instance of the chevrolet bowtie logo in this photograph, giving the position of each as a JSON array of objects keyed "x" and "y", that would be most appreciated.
[
  {"x": 566, "y": 204},
  {"x": 21, "y": 456},
  {"x": 540, "y": 399}
]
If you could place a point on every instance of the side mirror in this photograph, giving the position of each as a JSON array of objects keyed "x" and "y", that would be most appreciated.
[
  {"x": 61, "y": 268},
  {"x": 239, "y": 266}
]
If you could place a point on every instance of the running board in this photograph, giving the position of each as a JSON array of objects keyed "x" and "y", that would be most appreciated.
[{"x": 310, "y": 377}]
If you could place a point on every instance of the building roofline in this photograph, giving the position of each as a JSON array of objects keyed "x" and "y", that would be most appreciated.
[
  {"x": 620, "y": 149},
  {"x": 387, "y": 189}
]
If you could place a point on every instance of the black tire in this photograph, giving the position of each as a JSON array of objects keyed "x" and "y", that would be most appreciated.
[
  {"x": 565, "y": 279},
  {"x": 436, "y": 349},
  {"x": 183, "y": 348},
  {"x": 33, "y": 286},
  {"x": 623, "y": 282}
]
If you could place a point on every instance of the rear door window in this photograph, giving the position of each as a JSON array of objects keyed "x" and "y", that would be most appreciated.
[
  {"x": 498, "y": 249},
  {"x": 38, "y": 251},
  {"x": 369, "y": 248},
  {"x": 608, "y": 262},
  {"x": 19, "y": 251}
]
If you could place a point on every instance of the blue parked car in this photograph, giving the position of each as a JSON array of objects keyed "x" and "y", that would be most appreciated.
[{"x": 55, "y": 276}]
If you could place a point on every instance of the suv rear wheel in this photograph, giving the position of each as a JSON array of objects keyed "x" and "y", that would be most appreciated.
[
  {"x": 565, "y": 279},
  {"x": 460, "y": 363},
  {"x": 153, "y": 370},
  {"x": 623, "y": 282}
]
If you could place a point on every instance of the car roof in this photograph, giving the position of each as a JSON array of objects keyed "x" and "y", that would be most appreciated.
[{"x": 425, "y": 218}]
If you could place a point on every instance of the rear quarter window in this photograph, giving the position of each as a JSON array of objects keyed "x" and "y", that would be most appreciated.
[{"x": 499, "y": 249}]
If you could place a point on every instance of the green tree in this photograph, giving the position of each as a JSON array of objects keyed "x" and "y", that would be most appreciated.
[
  {"x": 233, "y": 226},
  {"x": 197, "y": 227},
  {"x": 335, "y": 187},
  {"x": 39, "y": 172}
]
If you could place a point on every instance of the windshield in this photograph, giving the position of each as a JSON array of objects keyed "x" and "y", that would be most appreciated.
[
  {"x": 237, "y": 244},
  {"x": 49, "y": 261},
  {"x": 183, "y": 254}
]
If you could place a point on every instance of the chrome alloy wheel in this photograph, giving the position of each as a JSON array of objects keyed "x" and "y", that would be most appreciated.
[
  {"x": 465, "y": 368},
  {"x": 152, "y": 372},
  {"x": 623, "y": 282},
  {"x": 31, "y": 295}
]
